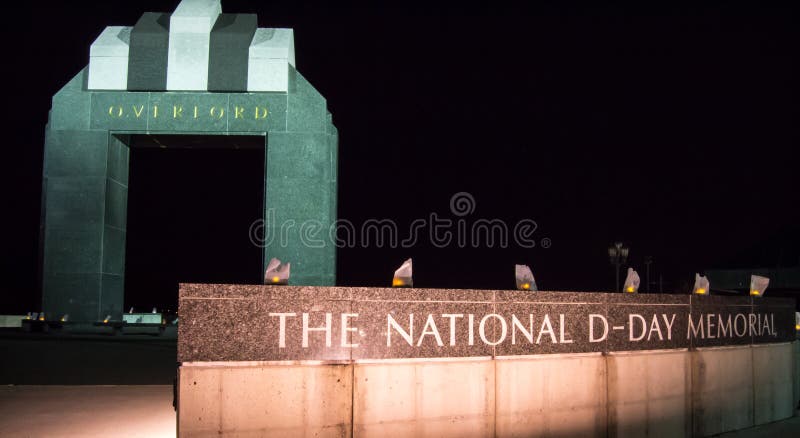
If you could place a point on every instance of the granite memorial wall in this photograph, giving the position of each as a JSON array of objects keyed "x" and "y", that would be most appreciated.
[{"x": 293, "y": 323}]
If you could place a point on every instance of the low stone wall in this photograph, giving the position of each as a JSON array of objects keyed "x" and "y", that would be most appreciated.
[
  {"x": 797, "y": 373},
  {"x": 773, "y": 380},
  {"x": 344, "y": 361},
  {"x": 11, "y": 320},
  {"x": 646, "y": 393}
]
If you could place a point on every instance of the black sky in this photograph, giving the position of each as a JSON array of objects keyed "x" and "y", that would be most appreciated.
[{"x": 671, "y": 129}]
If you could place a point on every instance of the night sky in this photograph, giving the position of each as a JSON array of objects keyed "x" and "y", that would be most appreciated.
[{"x": 672, "y": 130}]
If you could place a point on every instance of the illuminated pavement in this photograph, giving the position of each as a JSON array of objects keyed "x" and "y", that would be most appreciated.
[
  {"x": 87, "y": 411},
  {"x": 87, "y": 384}
]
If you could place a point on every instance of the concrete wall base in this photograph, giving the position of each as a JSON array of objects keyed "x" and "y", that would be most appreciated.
[
  {"x": 653, "y": 393},
  {"x": 296, "y": 401},
  {"x": 422, "y": 399},
  {"x": 649, "y": 394},
  {"x": 551, "y": 396}
]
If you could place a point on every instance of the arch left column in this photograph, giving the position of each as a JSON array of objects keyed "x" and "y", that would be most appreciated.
[{"x": 84, "y": 211}]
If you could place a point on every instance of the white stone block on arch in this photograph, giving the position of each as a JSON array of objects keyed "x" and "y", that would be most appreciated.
[
  {"x": 271, "y": 53},
  {"x": 189, "y": 41},
  {"x": 108, "y": 59}
]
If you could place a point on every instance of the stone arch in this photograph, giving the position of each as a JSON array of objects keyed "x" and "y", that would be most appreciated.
[{"x": 84, "y": 186}]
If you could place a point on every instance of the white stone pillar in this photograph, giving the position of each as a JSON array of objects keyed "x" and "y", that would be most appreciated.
[
  {"x": 271, "y": 54},
  {"x": 189, "y": 31},
  {"x": 108, "y": 59}
]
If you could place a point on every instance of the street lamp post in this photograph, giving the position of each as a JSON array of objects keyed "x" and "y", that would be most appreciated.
[{"x": 618, "y": 255}]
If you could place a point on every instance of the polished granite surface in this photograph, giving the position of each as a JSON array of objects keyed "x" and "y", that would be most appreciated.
[{"x": 342, "y": 324}]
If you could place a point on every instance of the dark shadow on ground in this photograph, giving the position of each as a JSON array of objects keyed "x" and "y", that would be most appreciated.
[{"x": 87, "y": 359}]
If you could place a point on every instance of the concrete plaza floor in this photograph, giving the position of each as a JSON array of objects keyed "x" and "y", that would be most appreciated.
[
  {"x": 87, "y": 411},
  {"x": 87, "y": 383}
]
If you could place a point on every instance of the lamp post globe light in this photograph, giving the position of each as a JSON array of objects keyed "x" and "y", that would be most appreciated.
[{"x": 617, "y": 255}]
